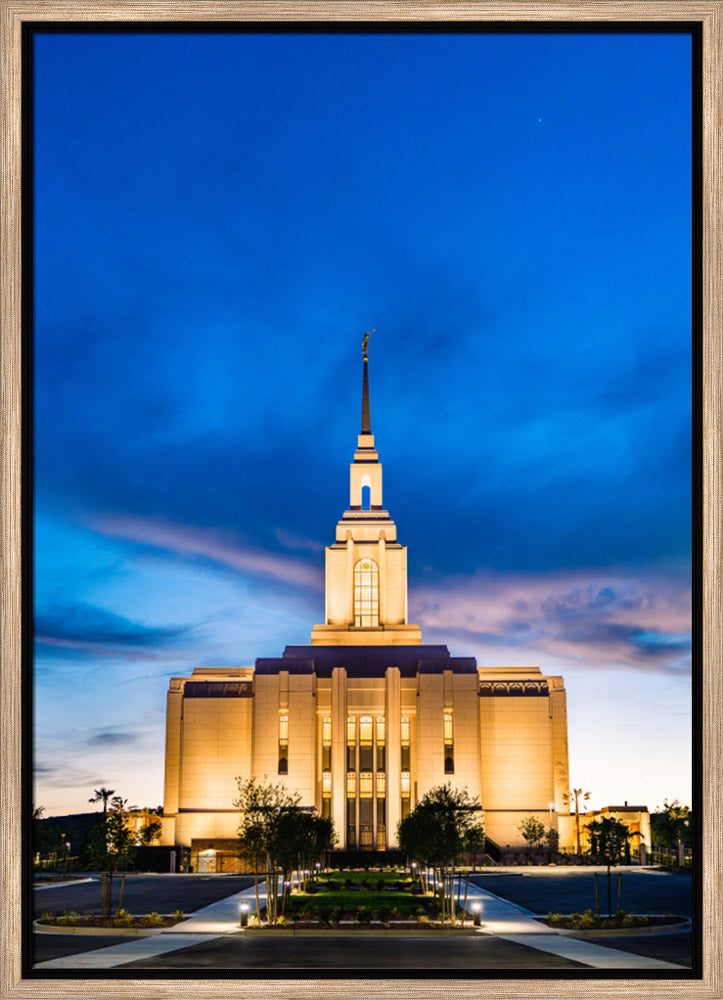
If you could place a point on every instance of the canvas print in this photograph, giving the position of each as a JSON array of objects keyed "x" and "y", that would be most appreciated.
[{"x": 362, "y": 429}]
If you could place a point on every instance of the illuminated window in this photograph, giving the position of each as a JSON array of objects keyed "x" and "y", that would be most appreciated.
[
  {"x": 326, "y": 784},
  {"x": 381, "y": 784},
  {"x": 366, "y": 749},
  {"x": 351, "y": 784},
  {"x": 365, "y": 730},
  {"x": 381, "y": 740},
  {"x": 406, "y": 784},
  {"x": 326, "y": 743},
  {"x": 366, "y": 594},
  {"x": 405, "y": 742},
  {"x": 283, "y": 744},
  {"x": 351, "y": 743},
  {"x": 448, "y": 744},
  {"x": 365, "y": 784}
]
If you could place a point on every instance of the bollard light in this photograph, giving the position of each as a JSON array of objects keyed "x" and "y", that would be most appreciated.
[
  {"x": 243, "y": 915},
  {"x": 477, "y": 914}
]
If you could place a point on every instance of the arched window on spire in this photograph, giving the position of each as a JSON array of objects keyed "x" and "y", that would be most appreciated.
[{"x": 366, "y": 594}]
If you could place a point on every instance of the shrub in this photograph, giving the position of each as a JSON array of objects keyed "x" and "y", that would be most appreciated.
[
  {"x": 335, "y": 914},
  {"x": 381, "y": 884},
  {"x": 153, "y": 919},
  {"x": 587, "y": 920},
  {"x": 178, "y": 915},
  {"x": 363, "y": 914},
  {"x": 554, "y": 918},
  {"x": 123, "y": 918}
]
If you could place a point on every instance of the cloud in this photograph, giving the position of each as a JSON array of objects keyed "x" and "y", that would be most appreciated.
[
  {"x": 217, "y": 547},
  {"x": 593, "y": 620},
  {"x": 78, "y": 629},
  {"x": 110, "y": 738}
]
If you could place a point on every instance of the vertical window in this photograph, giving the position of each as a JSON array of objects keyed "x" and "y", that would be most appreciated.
[
  {"x": 448, "y": 744},
  {"x": 283, "y": 744},
  {"x": 366, "y": 594},
  {"x": 381, "y": 743},
  {"x": 405, "y": 743},
  {"x": 326, "y": 743},
  {"x": 406, "y": 786},
  {"x": 351, "y": 743},
  {"x": 366, "y": 747}
]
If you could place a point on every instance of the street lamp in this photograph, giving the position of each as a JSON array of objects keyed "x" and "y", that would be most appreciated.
[
  {"x": 243, "y": 915},
  {"x": 477, "y": 914}
]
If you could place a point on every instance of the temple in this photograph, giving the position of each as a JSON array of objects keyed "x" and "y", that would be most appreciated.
[{"x": 366, "y": 718}]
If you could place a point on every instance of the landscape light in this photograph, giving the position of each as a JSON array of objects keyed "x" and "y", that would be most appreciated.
[
  {"x": 477, "y": 914},
  {"x": 243, "y": 915}
]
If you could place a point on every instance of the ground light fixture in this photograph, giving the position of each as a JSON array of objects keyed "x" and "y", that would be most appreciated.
[
  {"x": 477, "y": 914},
  {"x": 243, "y": 915}
]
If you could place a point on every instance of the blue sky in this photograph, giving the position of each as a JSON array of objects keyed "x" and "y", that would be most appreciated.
[{"x": 218, "y": 219}]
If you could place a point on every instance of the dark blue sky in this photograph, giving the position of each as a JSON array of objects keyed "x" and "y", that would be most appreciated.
[{"x": 219, "y": 218}]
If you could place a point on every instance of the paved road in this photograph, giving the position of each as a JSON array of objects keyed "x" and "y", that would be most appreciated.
[
  {"x": 570, "y": 892},
  {"x": 673, "y": 947},
  {"x": 358, "y": 952},
  {"x": 142, "y": 893},
  {"x": 504, "y": 948}
]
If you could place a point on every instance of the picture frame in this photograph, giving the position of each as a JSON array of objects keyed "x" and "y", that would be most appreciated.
[{"x": 15, "y": 14}]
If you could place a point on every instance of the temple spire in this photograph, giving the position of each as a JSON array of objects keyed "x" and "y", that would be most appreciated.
[{"x": 366, "y": 423}]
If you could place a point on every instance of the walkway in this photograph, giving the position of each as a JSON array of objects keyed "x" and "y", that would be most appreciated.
[{"x": 500, "y": 919}]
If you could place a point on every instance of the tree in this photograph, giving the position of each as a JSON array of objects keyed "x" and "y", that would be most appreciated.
[
  {"x": 671, "y": 827},
  {"x": 608, "y": 837},
  {"x": 576, "y": 795},
  {"x": 274, "y": 831},
  {"x": 552, "y": 839},
  {"x": 434, "y": 834},
  {"x": 102, "y": 795},
  {"x": 110, "y": 844},
  {"x": 532, "y": 830},
  {"x": 148, "y": 833}
]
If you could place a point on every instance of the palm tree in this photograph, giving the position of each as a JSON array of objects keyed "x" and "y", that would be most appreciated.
[
  {"x": 576, "y": 794},
  {"x": 102, "y": 795}
]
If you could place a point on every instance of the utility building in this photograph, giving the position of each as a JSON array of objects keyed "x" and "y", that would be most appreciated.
[{"x": 366, "y": 718}]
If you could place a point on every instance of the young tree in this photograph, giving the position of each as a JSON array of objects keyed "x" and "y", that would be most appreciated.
[
  {"x": 577, "y": 796},
  {"x": 274, "y": 831},
  {"x": 532, "y": 830},
  {"x": 552, "y": 839},
  {"x": 434, "y": 834},
  {"x": 110, "y": 844},
  {"x": 608, "y": 837}
]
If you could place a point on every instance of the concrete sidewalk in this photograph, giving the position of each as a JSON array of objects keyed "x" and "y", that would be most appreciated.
[
  {"x": 514, "y": 923},
  {"x": 499, "y": 919}
]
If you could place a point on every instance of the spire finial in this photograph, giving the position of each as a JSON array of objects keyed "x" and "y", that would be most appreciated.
[
  {"x": 366, "y": 424},
  {"x": 365, "y": 343}
]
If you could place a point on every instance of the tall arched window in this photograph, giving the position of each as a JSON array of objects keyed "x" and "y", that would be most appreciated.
[{"x": 366, "y": 593}]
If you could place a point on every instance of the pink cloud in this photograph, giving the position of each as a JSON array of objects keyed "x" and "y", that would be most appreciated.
[
  {"x": 593, "y": 619},
  {"x": 206, "y": 543}
]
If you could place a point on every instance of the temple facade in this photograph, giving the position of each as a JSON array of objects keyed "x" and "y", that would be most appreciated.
[{"x": 366, "y": 718}]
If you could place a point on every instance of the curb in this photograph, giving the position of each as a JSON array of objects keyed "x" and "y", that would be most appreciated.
[
  {"x": 41, "y": 928},
  {"x": 682, "y": 924},
  {"x": 352, "y": 932}
]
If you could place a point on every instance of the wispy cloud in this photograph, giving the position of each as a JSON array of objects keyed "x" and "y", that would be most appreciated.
[
  {"x": 212, "y": 545},
  {"x": 111, "y": 738},
  {"x": 77, "y": 629},
  {"x": 589, "y": 620}
]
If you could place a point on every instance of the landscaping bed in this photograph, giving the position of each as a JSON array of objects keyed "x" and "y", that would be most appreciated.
[
  {"x": 359, "y": 900},
  {"x": 122, "y": 920},
  {"x": 590, "y": 921}
]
